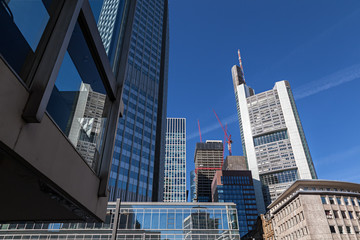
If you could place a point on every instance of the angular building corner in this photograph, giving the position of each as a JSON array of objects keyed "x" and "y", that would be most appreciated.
[
  {"x": 59, "y": 113},
  {"x": 272, "y": 138}
]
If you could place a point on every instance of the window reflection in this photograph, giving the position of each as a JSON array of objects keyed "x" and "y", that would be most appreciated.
[{"x": 78, "y": 103}]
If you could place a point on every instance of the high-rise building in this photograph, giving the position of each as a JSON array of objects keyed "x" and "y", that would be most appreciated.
[
  {"x": 272, "y": 137},
  {"x": 192, "y": 186},
  {"x": 237, "y": 186},
  {"x": 175, "y": 161},
  {"x": 208, "y": 159},
  {"x": 137, "y": 169}
]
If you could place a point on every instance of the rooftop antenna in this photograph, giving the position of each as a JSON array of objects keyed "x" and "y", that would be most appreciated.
[{"x": 240, "y": 62}]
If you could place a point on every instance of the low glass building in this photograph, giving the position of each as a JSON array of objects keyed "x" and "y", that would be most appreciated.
[{"x": 205, "y": 221}]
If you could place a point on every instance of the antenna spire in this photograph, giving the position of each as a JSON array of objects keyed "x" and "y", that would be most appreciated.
[{"x": 240, "y": 62}]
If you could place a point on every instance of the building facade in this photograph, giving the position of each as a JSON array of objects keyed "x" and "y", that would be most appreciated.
[
  {"x": 137, "y": 169},
  {"x": 42, "y": 68},
  {"x": 273, "y": 139},
  {"x": 175, "y": 161},
  {"x": 317, "y": 209},
  {"x": 235, "y": 163},
  {"x": 237, "y": 186},
  {"x": 192, "y": 186},
  {"x": 138, "y": 221},
  {"x": 208, "y": 159}
]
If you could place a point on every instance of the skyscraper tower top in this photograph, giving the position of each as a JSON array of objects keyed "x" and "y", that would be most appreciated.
[{"x": 272, "y": 137}]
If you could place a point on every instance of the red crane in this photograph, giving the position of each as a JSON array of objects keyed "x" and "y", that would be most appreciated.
[{"x": 227, "y": 136}]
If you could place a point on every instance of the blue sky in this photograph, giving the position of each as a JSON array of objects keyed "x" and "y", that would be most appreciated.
[{"x": 315, "y": 45}]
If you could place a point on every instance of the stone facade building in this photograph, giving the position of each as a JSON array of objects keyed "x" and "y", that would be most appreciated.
[{"x": 317, "y": 210}]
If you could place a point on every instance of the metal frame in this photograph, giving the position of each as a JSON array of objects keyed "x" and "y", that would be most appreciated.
[{"x": 42, "y": 74}]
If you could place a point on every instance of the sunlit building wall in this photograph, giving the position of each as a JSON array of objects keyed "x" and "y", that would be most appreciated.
[
  {"x": 273, "y": 139},
  {"x": 175, "y": 161}
]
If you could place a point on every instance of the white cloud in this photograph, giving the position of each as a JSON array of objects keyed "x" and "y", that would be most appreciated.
[{"x": 335, "y": 79}]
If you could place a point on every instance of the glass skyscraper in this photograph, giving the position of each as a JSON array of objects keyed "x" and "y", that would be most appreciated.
[
  {"x": 237, "y": 186},
  {"x": 273, "y": 139},
  {"x": 175, "y": 161},
  {"x": 137, "y": 172}
]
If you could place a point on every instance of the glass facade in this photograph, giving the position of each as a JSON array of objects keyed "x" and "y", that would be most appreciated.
[
  {"x": 237, "y": 187},
  {"x": 175, "y": 161},
  {"x": 137, "y": 172},
  {"x": 209, "y": 221},
  {"x": 192, "y": 186}
]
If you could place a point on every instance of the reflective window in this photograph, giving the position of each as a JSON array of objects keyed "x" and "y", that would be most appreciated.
[
  {"x": 22, "y": 26},
  {"x": 78, "y": 103}
]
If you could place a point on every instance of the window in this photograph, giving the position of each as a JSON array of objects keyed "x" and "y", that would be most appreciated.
[
  {"x": 348, "y": 229},
  {"x": 332, "y": 229},
  {"x": 356, "y": 229},
  {"x": 331, "y": 199},
  {"x": 323, "y": 200},
  {"x": 351, "y": 215},
  {"x": 340, "y": 229},
  {"x": 336, "y": 214},
  {"x": 343, "y": 214},
  {"x": 338, "y": 199},
  {"x": 328, "y": 214},
  {"x": 346, "y": 200}
]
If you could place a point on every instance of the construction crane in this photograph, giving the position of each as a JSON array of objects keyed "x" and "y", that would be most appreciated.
[{"x": 227, "y": 136}]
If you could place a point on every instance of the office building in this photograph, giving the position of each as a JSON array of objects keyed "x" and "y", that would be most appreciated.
[
  {"x": 237, "y": 186},
  {"x": 192, "y": 186},
  {"x": 210, "y": 221},
  {"x": 42, "y": 68},
  {"x": 317, "y": 209},
  {"x": 208, "y": 159},
  {"x": 272, "y": 137},
  {"x": 137, "y": 172},
  {"x": 175, "y": 160}
]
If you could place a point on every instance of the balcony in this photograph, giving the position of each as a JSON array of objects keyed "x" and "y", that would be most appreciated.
[{"x": 59, "y": 107}]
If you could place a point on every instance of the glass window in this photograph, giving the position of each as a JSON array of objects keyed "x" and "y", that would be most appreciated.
[
  {"x": 78, "y": 103},
  {"x": 336, "y": 214},
  {"x": 340, "y": 229},
  {"x": 348, "y": 229},
  {"x": 346, "y": 200},
  {"x": 338, "y": 199},
  {"x": 332, "y": 229},
  {"x": 343, "y": 214},
  {"x": 22, "y": 25},
  {"x": 351, "y": 215},
  {"x": 323, "y": 200},
  {"x": 331, "y": 200}
]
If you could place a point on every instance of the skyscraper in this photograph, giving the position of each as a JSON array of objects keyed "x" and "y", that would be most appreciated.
[
  {"x": 272, "y": 137},
  {"x": 137, "y": 172},
  {"x": 237, "y": 186},
  {"x": 175, "y": 161},
  {"x": 208, "y": 158}
]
